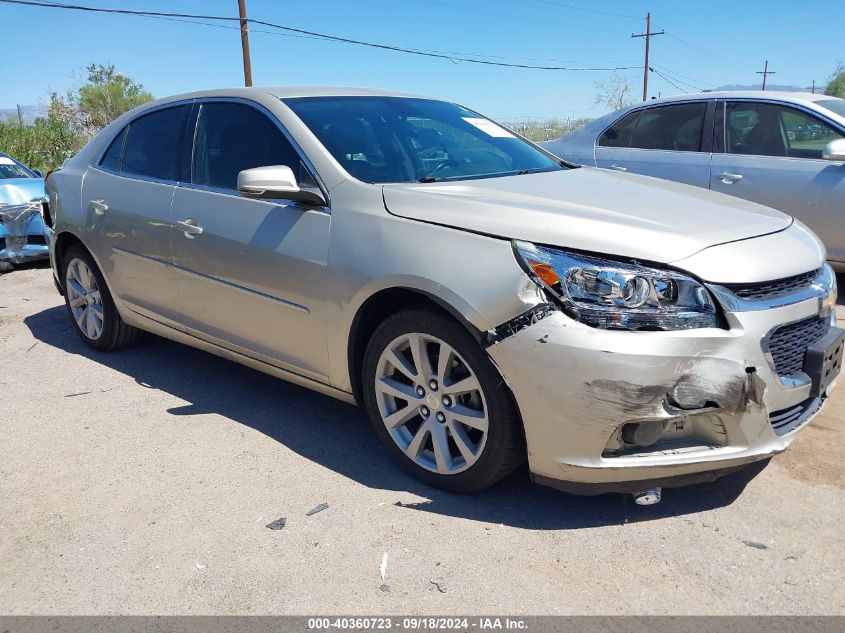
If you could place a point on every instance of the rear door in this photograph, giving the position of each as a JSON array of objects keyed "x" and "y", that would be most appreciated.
[
  {"x": 127, "y": 197},
  {"x": 771, "y": 153},
  {"x": 251, "y": 273},
  {"x": 668, "y": 141}
]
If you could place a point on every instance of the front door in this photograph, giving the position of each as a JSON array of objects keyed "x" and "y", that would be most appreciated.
[
  {"x": 252, "y": 273},
  {"x": 773, "y": 155},
  {"x": 670, "y": 142}
]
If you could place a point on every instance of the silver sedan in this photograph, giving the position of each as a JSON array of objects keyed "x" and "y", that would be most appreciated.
[
  {"x": 485, "y": 302},
  {"x": 783, "y": 150}
]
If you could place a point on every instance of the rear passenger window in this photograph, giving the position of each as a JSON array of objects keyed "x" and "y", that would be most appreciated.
[
  {"x": 111, "y": 159},
  {"x": 675, "y": 128},
  {"x": 153, "y": 144},
  {"x": 232, "y": 137}
]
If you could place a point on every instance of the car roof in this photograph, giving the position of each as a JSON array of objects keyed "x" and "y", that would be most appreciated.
[
  {"x": 771, "y": 95},
  {"x": 289, "y": 92}
]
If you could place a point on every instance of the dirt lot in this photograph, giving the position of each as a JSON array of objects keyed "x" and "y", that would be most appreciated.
[{"x": 141, "y": 482}]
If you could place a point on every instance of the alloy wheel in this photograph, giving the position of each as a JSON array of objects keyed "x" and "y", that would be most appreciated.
[
  {"x": 84, "y": 299},
  {"x": 431, "y": 403}
]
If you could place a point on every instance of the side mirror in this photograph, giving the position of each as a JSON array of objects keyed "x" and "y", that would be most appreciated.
[
  {"x": 275, "y": 182},
  {"x": 835, "y": 150}
]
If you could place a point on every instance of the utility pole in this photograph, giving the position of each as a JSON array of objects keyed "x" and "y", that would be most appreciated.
[
  {"x": 647, "y": 35},
  {"x": 765, "y": 72},
  {"x": 814, "y": 86},
  {"x": 245, "y": 44}
]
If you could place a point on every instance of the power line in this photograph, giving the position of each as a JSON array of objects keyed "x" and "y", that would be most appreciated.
[
  {"x": 473, "y": 59},
  {"x": 676, "y": 74},
  {"x": 659, "y": 74},
  {"x": 582, "y": 9}
]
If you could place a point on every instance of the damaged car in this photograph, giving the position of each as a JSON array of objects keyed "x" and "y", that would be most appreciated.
[
  {"x": 22, "y": 235},
  {"x": 482, "y": 300}
]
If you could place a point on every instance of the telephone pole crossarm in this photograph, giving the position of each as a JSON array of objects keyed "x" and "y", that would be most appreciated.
[{"x": 765, "y": 72}]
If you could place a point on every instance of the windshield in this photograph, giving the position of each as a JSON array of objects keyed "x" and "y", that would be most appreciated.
[
  {"x": 834, "y": 105},
  {"x": 12, "y": 169},
  {"x": 397, "y": 139}
]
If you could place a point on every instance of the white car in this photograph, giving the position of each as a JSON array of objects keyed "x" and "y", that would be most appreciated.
[{"x": 483, "y": 301}]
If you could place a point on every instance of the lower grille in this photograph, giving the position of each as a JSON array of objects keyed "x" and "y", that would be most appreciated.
[
  {"x": 36, "y": 240},
  {"x": 788, "y": 344},
  {"x": 2, "y": 243},
  {"x": 789, "y": 419}
]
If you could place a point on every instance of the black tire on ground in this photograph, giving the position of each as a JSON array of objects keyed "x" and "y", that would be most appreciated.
[
  {"x": 115, "y": 334},
  {"x": 504, "y": 449}
]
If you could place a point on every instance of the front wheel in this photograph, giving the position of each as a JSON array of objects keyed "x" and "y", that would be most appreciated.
[{"x": 438, "y": 403}]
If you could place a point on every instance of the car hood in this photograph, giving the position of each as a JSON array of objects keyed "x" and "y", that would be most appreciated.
[
  {"x": 21, "y": 190},
  {"x": 589, "y": 209}
]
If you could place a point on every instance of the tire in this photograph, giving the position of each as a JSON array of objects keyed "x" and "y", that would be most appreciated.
[
  {"x": 448, "y": 413},
  {"x": 93, "y": 314}
]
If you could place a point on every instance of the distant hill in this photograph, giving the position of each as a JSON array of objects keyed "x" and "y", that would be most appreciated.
[
  {"x": 28, "y": 112},
  {"x": 779, "y": 88}
]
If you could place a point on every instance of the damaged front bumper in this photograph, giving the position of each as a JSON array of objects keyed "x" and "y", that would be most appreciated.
[
  {"x": 619, "y": 411},
  {"x": 22, "y": 235}
]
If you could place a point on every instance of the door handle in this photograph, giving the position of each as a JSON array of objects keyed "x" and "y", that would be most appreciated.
[
  {"x": 729, "y": 178},
  {"x": 98, "y": 206},
  {"x": 619, "y": 168},
  {"x": 190, "y": 228}
]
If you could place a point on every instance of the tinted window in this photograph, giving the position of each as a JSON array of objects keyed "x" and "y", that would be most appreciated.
[
  {"x": 111, "y": 159},
  {"x": 397, "y": 139},
  {"x": 675, "y": 127},
  {"x": 232, "y": 137},
  {"x": 765, "y": 129},
  {"x": 153, "y": 144},
  {"x": 619, "y": 134}
]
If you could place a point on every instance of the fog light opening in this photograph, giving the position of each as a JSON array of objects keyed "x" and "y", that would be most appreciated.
[
  {"x": 643, "y": 433},
  {"x": 647, "y": 497}
]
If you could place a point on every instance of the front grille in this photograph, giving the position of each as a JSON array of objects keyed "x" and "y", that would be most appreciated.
[
  {"x": 2, "y": 243},
  {"x": 791, "y": 418},
  {"x": 788, "y": 344},
  {"x": 36, "y": 240},
  {"x": 774, "y": 289}
]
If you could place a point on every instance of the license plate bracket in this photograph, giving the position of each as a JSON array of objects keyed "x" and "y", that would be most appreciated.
[{"x": 823, "y": 360}]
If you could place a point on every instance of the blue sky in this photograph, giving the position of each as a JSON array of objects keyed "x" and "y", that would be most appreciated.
[{"x": 707, "y": 44}]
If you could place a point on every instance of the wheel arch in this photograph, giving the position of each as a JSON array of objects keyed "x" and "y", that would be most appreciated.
[
  {"x": 379, "y": 306},
  {"x": 64, "y": 241}
]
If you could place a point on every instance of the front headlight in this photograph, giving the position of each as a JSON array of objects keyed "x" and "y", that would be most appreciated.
[{"x": 610, "y": 294}]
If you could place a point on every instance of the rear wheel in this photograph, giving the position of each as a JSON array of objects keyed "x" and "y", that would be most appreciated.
[
  {"x": 438, "y": 403},
  {"x": 90, "y": 305}
]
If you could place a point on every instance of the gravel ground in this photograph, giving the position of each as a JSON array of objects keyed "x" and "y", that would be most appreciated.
[{"x": 141, "y": 482}]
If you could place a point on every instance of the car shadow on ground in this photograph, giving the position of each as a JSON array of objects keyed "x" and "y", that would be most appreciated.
[{"x": 301, "y": 420}]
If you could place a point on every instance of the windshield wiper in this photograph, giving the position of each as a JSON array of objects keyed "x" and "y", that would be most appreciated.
[{"x": 427, "y": 179}]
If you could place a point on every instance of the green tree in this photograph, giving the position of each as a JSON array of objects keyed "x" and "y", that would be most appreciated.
[
  {"x": 72, "y": 120},
  {"x": 836, "y": 83}
]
